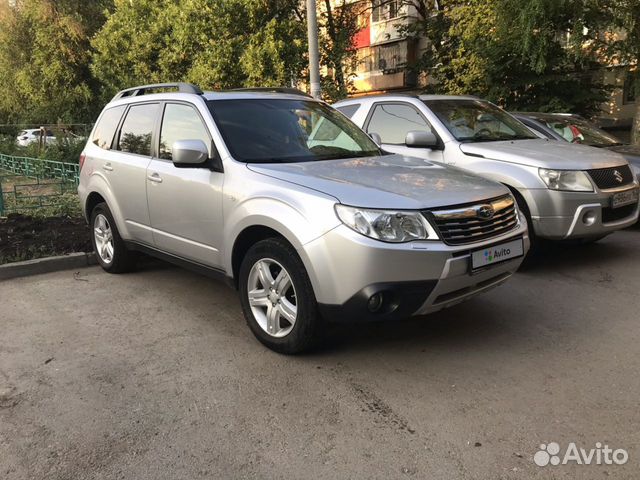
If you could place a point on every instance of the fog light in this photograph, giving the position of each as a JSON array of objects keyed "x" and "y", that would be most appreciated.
[
  {"x": 375, "y": 302},
  {"x": 589, "y": 218}
]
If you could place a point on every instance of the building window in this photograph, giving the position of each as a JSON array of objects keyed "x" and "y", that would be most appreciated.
[
  {"x": 629, "y": 93},
  {"x": 382, "y": 10}
]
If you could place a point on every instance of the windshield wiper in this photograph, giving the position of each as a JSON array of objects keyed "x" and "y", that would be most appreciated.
[{"x": 521, "y": 137}]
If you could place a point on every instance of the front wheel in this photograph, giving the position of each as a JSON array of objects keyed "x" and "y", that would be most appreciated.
[{"x": 277, "y": 297}]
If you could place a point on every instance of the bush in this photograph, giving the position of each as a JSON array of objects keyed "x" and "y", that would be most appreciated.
[
  {"x": 63, "y": 151},
  {"x": 66, "y": 205},
  {"x": 60, "y": 151},
  {"x": 8, "y": 145}
]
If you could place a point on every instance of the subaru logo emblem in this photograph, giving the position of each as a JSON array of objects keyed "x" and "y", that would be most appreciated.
[
  {"x": 618, "y": 176},
  {"x": 485, "y": 211}
]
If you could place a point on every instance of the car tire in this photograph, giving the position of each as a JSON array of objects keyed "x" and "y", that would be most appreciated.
[
  {"x": 277, "y": 297},
  {"x": 111, "y": 251}
]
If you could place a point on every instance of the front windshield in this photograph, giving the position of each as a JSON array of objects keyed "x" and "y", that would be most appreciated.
[
  {"x": 478, "y": 121},
  {"x": 576, "y": 130},
  {"x": 282, "y": 131}
]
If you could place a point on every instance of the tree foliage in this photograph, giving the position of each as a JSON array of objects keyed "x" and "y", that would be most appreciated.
[
  {"x": 44, "y": 60},
  {"x": 522, "y": 54},
  {"x": 62, "y": 59},
  {"x": 224, "y": 44},
  {"x": 615, "y": 34}
]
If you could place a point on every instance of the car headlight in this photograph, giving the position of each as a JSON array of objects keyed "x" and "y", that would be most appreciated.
[
  {"x": 395, "y": 226},
  {"x": 571, "y": 180}
]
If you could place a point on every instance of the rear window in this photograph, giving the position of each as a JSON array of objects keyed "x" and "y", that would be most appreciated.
[
  {"x": 137, "y": 128},
  {"x": 106, "y": 127}
]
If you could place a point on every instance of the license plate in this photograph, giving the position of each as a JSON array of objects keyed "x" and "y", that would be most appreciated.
[
  {"x": 624, "y": 198},
  {"x": 497, "y": 254}
]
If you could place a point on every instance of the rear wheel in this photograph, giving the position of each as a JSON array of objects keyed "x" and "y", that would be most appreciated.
[
  {"x": 277, "y": 297},
  {"x": 110, "y": 249}
]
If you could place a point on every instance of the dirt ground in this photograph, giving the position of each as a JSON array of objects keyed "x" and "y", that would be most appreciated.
[
  {"x": 154, "y": 375},
  {"x": 24, "y": 238}
]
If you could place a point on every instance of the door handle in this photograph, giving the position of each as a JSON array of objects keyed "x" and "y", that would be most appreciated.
[
  {"x": 107, "y": 167},
  {"x": 155, "y": 178}
]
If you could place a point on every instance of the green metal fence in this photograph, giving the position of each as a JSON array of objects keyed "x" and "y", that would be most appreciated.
[{"x": 31, "y": 183}]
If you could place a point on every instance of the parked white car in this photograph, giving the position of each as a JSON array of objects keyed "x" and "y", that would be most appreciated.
[
  {"x": 27, "y": 137},
  {"x": 566, "y": 191}
]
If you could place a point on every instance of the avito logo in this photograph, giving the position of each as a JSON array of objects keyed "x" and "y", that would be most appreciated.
[
  {"x": 550, "y": 454},
  {"x": 491, "y": 255}
]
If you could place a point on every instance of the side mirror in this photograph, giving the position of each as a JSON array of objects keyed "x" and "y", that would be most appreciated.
[
  {"x": 421, "y": 139},
  {"x": 189, "y": 152},
  {"x": 376, "y": 138}
]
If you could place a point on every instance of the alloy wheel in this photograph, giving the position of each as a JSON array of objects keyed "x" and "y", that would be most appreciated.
[
  {"x": 103, "y": 236},
  {"x": 272, "y": 297}
]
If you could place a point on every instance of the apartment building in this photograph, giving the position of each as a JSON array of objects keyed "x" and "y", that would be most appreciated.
[{"x": 383, "y": 54}]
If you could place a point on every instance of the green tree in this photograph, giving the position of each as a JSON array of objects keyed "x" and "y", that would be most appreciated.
[
  {"x": 44, "y": 60},
  {"x": 222, "y": 44},
  {"x": 513, "y": 52},
  {"x": 615, "y": 35}
]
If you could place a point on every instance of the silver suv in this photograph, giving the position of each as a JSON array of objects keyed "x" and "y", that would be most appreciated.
[
  {"x": 293, "y": 205},
  {"x": 566, "y": 191}
]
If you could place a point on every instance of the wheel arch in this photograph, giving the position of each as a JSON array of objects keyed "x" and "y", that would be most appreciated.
[
  {"x": 93, "y": 199},
  {"x": 245, "y": 240},
  {"x": 98, "y": 191}
]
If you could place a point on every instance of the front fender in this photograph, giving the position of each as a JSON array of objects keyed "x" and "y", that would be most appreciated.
[{"x": 298, "y": 222}]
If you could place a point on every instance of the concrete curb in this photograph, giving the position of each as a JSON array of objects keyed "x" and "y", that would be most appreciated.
[{"x": 47, "y": 265}]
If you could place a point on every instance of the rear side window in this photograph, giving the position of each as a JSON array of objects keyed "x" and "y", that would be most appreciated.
[
  {"x": 392, "y": 121},
  {"x": 137, "y": 129},
  {"x": 181, "y": 122},
  {"x": 106, "y": 127},
  {"x": 349, "y": 110}
]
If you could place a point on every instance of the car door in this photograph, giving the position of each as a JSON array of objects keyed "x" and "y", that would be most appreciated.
[
  {"x": 124, "y": 166},
  {"x": 392, "y": 121},
  {"x": 185, "y": 204}
]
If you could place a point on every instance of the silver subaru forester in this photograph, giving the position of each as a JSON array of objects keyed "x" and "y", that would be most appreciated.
[{"x": 293, "y": 205}]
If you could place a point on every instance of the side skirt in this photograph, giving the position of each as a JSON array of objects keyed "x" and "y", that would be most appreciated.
[{"x": 207, "y": 271}]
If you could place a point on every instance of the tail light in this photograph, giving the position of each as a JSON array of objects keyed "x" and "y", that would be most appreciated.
[{"x": 83, "y": 157}]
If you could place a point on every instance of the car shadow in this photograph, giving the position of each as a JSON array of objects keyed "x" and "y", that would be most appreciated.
[
  {"x": 477, "y": 324},
  {"x": 553, "y": 256},
  {"x": 506, "y": 319}
]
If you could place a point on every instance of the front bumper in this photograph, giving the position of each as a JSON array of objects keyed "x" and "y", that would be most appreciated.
[
  {"x": 568, "y": 215},
  {"x": 416, "y": 278}
]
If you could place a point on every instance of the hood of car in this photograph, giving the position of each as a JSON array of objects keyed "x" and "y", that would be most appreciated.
[
  {"x": 546, "y": 154},
  {"x": 630, "y": 152},
  {"x": 390, "y": 181}
]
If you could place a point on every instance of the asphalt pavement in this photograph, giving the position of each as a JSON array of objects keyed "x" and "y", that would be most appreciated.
[{"x": 155, "y": 375}]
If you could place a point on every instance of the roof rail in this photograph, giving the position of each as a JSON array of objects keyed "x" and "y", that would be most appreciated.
[
  {"x": 143, "y": 89},
  {"x": 288, "y": 90}
]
